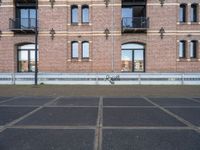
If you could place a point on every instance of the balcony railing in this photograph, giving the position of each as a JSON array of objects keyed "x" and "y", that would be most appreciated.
[
  {"x": 135, "y": 24},
  {"x": 22, "y": 24}
]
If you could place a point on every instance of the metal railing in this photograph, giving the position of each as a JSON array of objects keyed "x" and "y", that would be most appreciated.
[
  {"x": 135, "y": 23},
  {"x": 22, "y": 24}
]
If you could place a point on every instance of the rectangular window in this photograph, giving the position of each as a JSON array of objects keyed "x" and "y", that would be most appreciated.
[
  {"x": 74, "y": 14},
  {"x": 182, "y": 49},
  {"x": 85, "y": 50},
  {"x": 85, "y": 14},
  {"x": 193, "y": 49},
  {"x": 193, "y": 14},
  {"x": 26, "y": 18},
  {"x": 23, "y": 61},
  {"x": 74, "y": 50},
  {"x": 182, "y": 13}
]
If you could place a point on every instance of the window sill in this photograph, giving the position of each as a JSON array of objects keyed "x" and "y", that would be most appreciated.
[
  {"x": 74, "y": 59},
  {"x": 86, "y": 59},
  {"x": 194, "y": 23},
  {"x": 187, "y": 60},
  {"x": 194, "y": 59},
  {"x": 74, "y": 24},
  {"x": 85, "y": 23},
  {"x": 182, "y": 23},
  {"x": 79, "y": 60},
  {"x": 181, "y": 60}
]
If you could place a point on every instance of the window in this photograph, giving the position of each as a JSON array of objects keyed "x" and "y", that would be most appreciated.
[
  {"x": 132, "y": 57},
  {"x": 182, "y": 49},
  {"x": 26, "y": 17},
  {"x": 26, "y": 58},
  {"x": 193, "y": 49},
  {"x": 85, "y": 49},
  {"x": 74, "y": 50},
  {"x": 85, "y": 14},
  {"x": 74, "y": 14},
  {"x": 193, "y": 13},
  {"x": 182, "y": 13}
]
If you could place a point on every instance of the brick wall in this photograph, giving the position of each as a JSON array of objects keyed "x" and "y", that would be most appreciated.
[{"x": 161, "y": 55}]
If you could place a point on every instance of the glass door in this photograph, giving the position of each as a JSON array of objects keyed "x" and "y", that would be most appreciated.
[
  {"x": 32, "y": 16},
  {"x": 127, "y": 61},
  {"x": 138, "y": 60},
  {"x": 132, "y": 57},
  {"x": 127, "y": 15},
  {"x": 27, "y": 17},
  {"x": 24, "y": 18}
]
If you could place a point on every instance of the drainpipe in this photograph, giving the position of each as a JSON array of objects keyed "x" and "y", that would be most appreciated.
[
  {"x": 36, "y": 43},
  {"x": 113, "y": 23}
]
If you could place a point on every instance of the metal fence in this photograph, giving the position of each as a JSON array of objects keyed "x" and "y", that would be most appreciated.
[
  {"x": 22, "y": 23},
  {"x": 102, "y": 78},
  {"x": 135, "y": 22}
]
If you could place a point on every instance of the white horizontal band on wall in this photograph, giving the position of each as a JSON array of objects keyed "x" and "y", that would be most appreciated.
[
  {"x": 103, "y": 78},
  {"x": 93, "y": 4}
]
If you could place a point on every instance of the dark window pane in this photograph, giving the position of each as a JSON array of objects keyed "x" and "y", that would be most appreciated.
[
  {"x": 193, "y": 13},
  {"x": 193, "y": 49},
  {"x": 182, "y": 13},
  {"x": 182, "y": 49}
]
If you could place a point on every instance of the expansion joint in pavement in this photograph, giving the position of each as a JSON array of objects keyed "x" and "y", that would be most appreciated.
[
  {"x": 187, "y": 123},
  {"x": 98, "y": 132},
  {"x": 10, "y": 124},
  {"x": 192, "y": 99},
  {"x": 10, "y": 99}
]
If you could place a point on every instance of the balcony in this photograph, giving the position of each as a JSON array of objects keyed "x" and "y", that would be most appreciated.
[
  {"x": 22, "y": 25},
  {"x": 134, "y": 24}
]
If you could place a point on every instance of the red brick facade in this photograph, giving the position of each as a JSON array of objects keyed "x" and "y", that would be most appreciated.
[{"x": 161, "y": 55}]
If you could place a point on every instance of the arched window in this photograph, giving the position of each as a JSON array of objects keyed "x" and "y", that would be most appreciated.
[
  {"x": 132, "y": 57},
  {"x": 74, "y": 14},
  {"x": 182, "y": 49},
  {"x": 182, "y": 13},
  {"x": 193, "y": 49},
  {"x": 85, "y": 14},
  {"x": 85, "y": 49},
  {"x": 194, "y": 13},
  {"x": 26, "y": 58},
  {"x": 74, "y": 50}
]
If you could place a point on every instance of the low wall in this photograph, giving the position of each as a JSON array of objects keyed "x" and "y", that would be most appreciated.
[{"x": 102, "y": 78}]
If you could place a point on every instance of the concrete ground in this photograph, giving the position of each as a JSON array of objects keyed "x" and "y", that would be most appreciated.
[{"x": 99, "y": 123}]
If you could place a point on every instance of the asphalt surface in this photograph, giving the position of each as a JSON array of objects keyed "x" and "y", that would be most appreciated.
[{"x": 99, "y": 123}]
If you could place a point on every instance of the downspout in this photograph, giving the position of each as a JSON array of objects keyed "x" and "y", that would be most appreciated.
[
  {"x": 36, "y": 43},
  {"x": 113, "y": 41}
]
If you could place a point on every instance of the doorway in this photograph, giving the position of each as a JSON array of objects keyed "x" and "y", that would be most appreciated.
[{"x": 132, "y": 57}]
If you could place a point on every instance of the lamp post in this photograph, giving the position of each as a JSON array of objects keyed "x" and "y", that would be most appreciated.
[{"x": 36, "y": 44}]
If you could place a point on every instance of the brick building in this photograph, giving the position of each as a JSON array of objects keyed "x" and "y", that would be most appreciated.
[{"x": 100, "y": 36}]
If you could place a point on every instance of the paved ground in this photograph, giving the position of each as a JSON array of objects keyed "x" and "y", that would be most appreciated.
[
  {"x": 92, "y": 90},
  {"x": 99, "y": 123}
]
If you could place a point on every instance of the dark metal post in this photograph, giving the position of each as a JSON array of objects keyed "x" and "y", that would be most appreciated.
[{"x": 36, "y": 44}]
